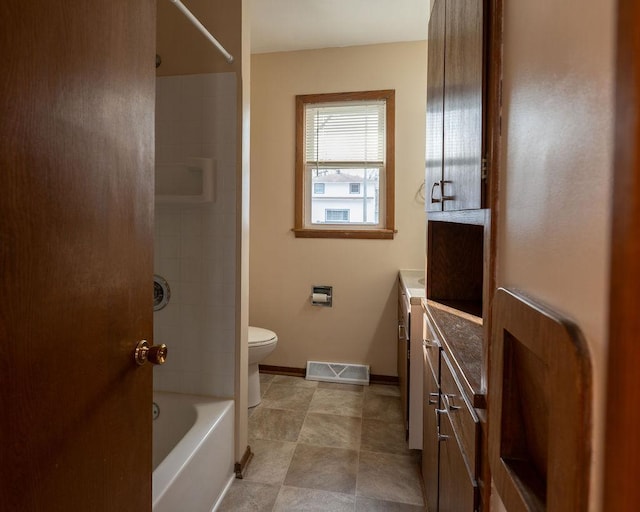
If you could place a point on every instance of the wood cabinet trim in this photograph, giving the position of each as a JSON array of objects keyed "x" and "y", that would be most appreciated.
[
  {"x": 622, "y": 446},
  {"x": 541, "y": 379}
]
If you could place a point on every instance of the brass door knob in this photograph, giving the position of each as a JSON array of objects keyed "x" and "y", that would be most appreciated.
[{"x": 155, "y": 354}]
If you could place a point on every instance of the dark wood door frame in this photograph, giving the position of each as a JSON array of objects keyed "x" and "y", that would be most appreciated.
[
  {"x": 622, "y": 443},
  {"x": 492, "y": 149}
]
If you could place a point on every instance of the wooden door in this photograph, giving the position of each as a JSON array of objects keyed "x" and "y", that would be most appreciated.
[
  {"x": 463, "y": 103},
  {"x": 435, "y": 107},
  {"x": 76, "y": 177},
  {"x": 622, "y": 445}
]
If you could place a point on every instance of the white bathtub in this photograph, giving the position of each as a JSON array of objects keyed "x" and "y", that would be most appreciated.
[{"x": 192, "y": 452}]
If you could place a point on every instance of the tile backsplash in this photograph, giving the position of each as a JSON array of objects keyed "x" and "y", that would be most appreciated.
[{"x": 195, "y": 249}]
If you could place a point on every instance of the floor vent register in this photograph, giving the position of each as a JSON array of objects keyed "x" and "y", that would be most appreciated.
[{"x": 338, "y": 372}]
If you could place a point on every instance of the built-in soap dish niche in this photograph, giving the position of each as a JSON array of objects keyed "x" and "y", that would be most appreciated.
[{"x": 191, "y": 181}]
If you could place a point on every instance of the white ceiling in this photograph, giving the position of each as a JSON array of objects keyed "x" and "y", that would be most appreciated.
[{"x": 287, "y": 25}]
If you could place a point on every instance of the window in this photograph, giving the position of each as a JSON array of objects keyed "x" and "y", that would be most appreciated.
[
  {"x": 345, "y": 165},
  {"x": 336, "y": 215}
]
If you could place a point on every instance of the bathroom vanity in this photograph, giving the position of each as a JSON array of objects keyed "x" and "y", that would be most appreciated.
[
  {"x": 411, "y": 291},
  {"x": 440, "y": 354},
  {"x": 453, "y": 400}
]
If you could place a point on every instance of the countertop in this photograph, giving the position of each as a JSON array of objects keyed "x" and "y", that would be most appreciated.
[
  {"x": 413, "y": 283},
  {"x": 461, "y": 335}
]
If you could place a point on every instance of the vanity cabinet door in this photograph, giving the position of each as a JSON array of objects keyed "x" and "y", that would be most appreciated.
[
  {"x": 403, "y": 360},
  {"x": 458, "y": 490},
  {"x": 459, "y": 441},
  {"x": 430, "y": 444}
]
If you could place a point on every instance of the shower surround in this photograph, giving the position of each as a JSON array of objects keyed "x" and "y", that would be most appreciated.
[{"x": 195, "y": 244}]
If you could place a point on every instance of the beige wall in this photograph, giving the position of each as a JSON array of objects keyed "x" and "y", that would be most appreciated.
[
  {"x": 361, "y": 326},
  {"x": 557, "y": 168}
]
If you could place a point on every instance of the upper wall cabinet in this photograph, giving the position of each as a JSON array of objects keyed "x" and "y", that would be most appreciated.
[{"x": 454, "y": 163}]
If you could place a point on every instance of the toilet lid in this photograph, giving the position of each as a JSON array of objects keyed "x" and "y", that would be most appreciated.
[{"x": 260, "y": 335}]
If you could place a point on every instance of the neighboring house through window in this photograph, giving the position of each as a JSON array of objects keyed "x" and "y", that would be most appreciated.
[
  {"x": 345, "y": 165},
  {"x": 336, "y": 215}
]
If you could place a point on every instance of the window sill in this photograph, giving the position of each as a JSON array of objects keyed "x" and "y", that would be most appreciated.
[{"x": 355, "y": 234}]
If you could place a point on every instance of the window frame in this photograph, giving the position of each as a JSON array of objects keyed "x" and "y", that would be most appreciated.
[{"x": 304, "y": 186}]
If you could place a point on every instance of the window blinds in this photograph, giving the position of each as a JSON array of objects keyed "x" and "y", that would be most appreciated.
[{"x": 353, "y": 132}]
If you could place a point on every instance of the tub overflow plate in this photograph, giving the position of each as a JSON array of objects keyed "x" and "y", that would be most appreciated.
[{"x": 161, "y": 292}]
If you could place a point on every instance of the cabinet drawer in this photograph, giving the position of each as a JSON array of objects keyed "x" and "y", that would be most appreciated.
[
  {"x": 432, "y": 346},
  {"x": 463, "y": 418}
]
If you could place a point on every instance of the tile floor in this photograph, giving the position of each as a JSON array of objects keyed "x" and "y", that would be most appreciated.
[{"x": 327, "y": 447}]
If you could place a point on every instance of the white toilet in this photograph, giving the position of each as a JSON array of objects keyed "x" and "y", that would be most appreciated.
[{"x": 261, "y": 344}]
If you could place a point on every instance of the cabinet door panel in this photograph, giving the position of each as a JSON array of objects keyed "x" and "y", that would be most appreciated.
[
  {"x": 430, "y": 436},
  {"x": 416, "y": 380},
  {"x": 457, "y": 490},
  {"x": 435, "y": 106},
  {"x": 463, "y": 105},
  {"x": 403, "y": 361}
]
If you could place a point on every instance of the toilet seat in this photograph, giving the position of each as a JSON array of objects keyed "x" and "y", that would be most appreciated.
[{"x": 259, "y": 336}]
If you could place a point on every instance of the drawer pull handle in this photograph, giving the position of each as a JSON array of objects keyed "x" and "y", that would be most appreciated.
[
  {"x": 433, "y": 187},
  {"x": 442, "y": 437},
  {"x": 444, "y": 197},
  {"x": 433, "y": 398},
  {"x": 448, "y": 405},
  {"x": 428, "y": 344}
]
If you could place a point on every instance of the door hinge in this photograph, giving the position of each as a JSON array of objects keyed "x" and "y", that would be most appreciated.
[{"x": 484, "y": 169}]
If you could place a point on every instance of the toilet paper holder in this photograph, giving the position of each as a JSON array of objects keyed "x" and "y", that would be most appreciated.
[{"x": 322, "y": 296}]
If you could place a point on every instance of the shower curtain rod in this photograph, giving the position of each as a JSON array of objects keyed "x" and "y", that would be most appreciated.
[{"x": 202, "y": 29}]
